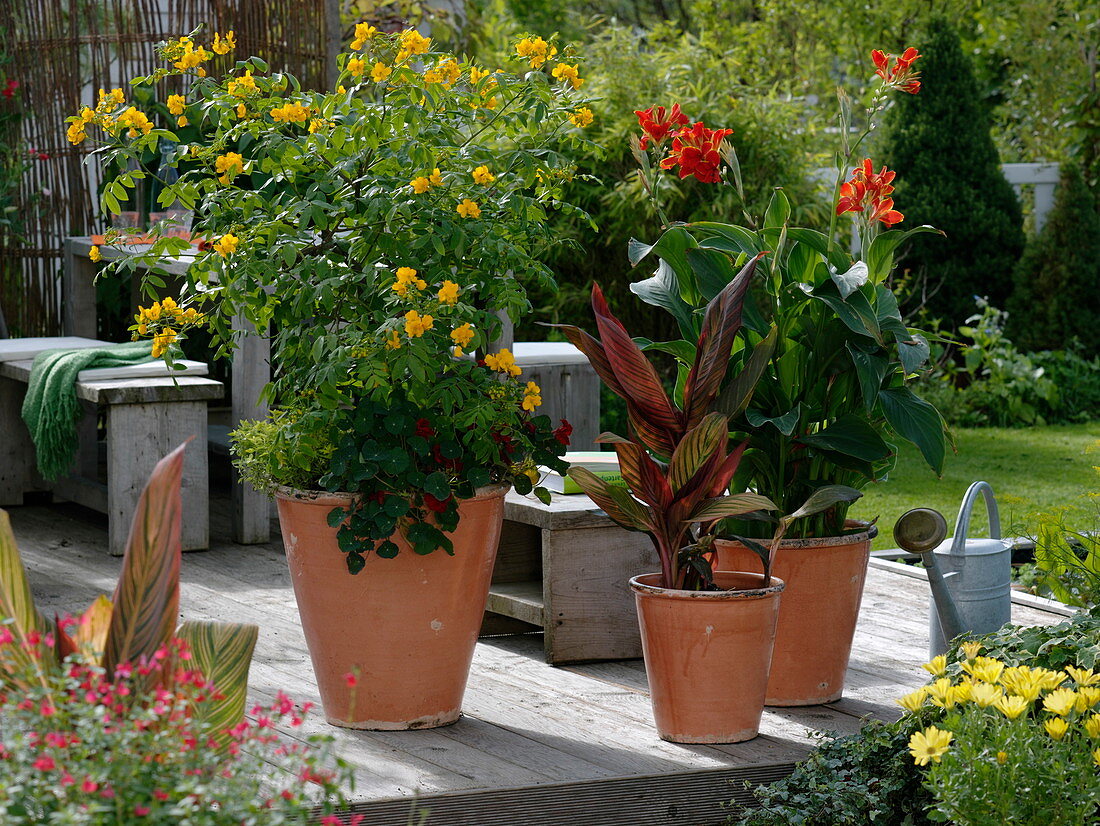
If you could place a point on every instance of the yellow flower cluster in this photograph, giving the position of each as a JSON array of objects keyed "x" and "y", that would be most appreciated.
[
  {"x": 176, "y": 105},
  {"x": 536, "y": 50},
  {"x": 95, "y": 254},
  {"x": 290, "y": 113},
  {"x": 317, "y": 124},
  {"x": 566, "y": 73},
  {"x": 462, "y": 336},
  {"x": 356, "y": 66},
  {"x": 482, "y": 175},
  {"x": 363, "y": 33},
  {"x": 227, "y": 244},
  {"x": 228, "y": 167},
  {"x": 448, "y": 293},
  {"x": 224, "y": 45},
  {"x": 162, "y": 340},
  {"x": 447, "y": 72},
  {"x": 135, "y": 121},
  {"x": 416, "y": 325},
  {"x": 503, "y": 362},
  {"x": 1010, "y": 690},
  {"x": 407, "y": 277},
  {"x": 468, "y": 209},
  {"x": 185, "y": 55},
  {"x": 532, "y": 396},
  {"x": 477, "y": 75},
  {"x": 411, "y": 42},
  {"x": 165, "y": 312},
  {"x": 380, "y": 72},
  {"x": 242, "y": 86},
  {"x": 582, "y": 117},
  {"x": 423, "y": 183},
  {"x": 107, "y": 104}
]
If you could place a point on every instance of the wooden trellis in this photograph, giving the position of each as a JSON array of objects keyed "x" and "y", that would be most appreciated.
[{"x": 61, "y": 52}]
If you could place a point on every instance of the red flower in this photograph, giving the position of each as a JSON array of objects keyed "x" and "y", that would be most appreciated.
[
  {"x": 900, "y": 75},
  {"x": 44, "y": 764},
  {"x": 563, "y": 433},
  {"x": 868, "y": 188},
  {"x": 351, "y": 680},
  {"x": 141, "y": 811},
  {"x": 656, "y": 123},
  {"x": 695, "y": 150},
  {"x": 436, "y": 505},
  {"x": 424, "y": 428},
  {"x": 9, "y": 90}
]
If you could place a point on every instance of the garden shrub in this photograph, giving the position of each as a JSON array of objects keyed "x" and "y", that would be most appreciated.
[
  {"x": 1057, "y": 294},
  {"x": 949, "y": 176}
]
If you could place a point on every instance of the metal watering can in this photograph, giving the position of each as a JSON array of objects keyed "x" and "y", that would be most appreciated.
[{"x": 970, "y": 578}]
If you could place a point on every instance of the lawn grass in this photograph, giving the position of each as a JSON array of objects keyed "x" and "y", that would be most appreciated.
[{"x": 1030, "y": 469}]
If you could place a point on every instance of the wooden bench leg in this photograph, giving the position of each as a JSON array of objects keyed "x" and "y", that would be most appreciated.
[
  {"x": 17, "y": 459},
  {"x": 139, "y": 436},
  {"x": 251, "y": 372}
]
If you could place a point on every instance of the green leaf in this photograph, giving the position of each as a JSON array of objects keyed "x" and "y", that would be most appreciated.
[
  {"x": 851, "y": 435},
  {"x": 778, "y": 212},
  {"x": 913, "y": 353},
  {"x": 615, "y": 501},
  {"x": 698, "y": 445},
  {"x": 880, "y": 255},
  {"x": 785, "y": 423},
  {"x": 662, "y": 290},
  {"x": 850, "y": 281},
  {"x": 146, "y": 597},
  {"x": 870, "y": 370},
  {"x": 713, "y": 271},
  {"x": 822, "y": 499},
  {"x": 735, "y": 504},
  {"x": 222, "y": 651},
  {"x": 438, "y": 485},
  {"x": 918, "y": 421},
  {"x": 684, "y": 351}
]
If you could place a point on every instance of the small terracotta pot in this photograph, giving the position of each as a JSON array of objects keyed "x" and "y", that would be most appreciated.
[
  {"x": 407, "y": 626},
  {"x": 818, "y": 619},
  {"x": 707, "y": 655}
]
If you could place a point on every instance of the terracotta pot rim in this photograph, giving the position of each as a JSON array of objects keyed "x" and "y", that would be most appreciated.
[
  {"x": 869, "y": 533},
  {"x": 643, "y": 584},
  {"x": 325, "y": 497}
]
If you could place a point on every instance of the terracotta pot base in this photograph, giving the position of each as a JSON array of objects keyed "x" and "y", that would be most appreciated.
[
  {"x": 406, "y": 627},
  {"x": 707, "y": 655},
  {"x": 818, "y": 614}
]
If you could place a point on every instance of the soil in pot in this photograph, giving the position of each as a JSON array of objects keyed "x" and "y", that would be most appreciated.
[
  {"x": 405, "y": 628},
  {"x": 707, "y": 655},
  {"x": 817, "y": 620}
]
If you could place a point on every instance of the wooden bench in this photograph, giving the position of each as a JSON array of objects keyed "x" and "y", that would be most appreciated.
[
  {"x": 570, "y": 387},
  {"x": 147, "y": 416},
  {"x": 565, "y": 567}
]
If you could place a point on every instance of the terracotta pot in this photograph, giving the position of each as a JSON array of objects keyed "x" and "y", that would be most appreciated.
[
  {"x": 406, "y": 625},
  {"x": 707, "y": 655},
  {"x": 818, "y": 619}
]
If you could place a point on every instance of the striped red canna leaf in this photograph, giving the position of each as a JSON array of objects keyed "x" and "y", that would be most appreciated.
[
  {"x": 146, "y": 597},
  {"x": 698, "y": 446},
  {"x": 632, "y": 369},
  {"x": 644, "y": 476},
  {"x": 720, "y": 326},
  {"x": 594, "y": 351}
]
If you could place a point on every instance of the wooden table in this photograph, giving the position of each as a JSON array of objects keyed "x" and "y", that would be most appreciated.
[
  {"x": 565, "y": 568},
  {"x": 251, "y": 370}
]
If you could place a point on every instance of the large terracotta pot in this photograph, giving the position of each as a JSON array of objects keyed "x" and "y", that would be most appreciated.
[
  {"x": 707, "y": 655},
  {"x": 818, "y": 619},
  {"x": 407, "y": 626}
]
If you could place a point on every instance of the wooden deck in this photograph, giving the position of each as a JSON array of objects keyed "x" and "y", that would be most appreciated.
[{"x": 538, "y": 744}]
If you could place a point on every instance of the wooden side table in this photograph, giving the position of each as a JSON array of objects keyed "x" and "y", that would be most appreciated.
[{"x": 566, "y": 567}]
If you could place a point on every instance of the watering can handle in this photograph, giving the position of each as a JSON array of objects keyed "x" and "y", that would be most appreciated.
[{"x": 962, "y": 524}]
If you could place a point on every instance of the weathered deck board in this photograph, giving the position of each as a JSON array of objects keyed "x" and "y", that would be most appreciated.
[{"x": 553, "y": 735}]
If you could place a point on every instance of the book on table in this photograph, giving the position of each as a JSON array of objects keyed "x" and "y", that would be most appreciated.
[{"x": 603, "y": 463}]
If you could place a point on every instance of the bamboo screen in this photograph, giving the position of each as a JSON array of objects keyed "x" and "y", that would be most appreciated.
[{"x": 61, "y": 52}]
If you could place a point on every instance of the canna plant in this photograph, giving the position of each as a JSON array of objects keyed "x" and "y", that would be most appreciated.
[
  {"x": 136, "y": 626},
  {"x": 669, "y": 497}
]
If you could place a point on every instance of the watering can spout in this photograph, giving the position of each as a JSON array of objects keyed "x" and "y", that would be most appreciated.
[{"x": 970, "y": 578}]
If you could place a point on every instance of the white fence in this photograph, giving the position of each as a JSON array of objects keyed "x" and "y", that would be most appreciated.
[{"x": 1043, "y": 177}]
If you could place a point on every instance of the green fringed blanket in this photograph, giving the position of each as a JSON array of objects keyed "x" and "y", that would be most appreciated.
[{"x": 51, "y": 409}]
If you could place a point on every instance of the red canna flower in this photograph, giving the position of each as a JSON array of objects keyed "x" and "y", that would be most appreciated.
[
  {"x": 656, "y": 123},
  {"x": 897, "y": 71},
  {"x": 868, "y": 188},
  {"x": 695, "y": 151}
]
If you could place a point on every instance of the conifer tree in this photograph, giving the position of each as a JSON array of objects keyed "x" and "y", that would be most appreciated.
[
  {"x": 1057, "y": 295},
  {"x": 949, "y": 176}
]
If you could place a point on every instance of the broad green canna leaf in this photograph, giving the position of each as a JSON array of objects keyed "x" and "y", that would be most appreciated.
[
  {"x": 732, "y": 505},
  {"x": 222, "y": 651},
  {"x": 616, "y": 502},
  {"x": 146, "y": 597}
]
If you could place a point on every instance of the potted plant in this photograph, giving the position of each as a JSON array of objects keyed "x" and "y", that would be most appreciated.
[
  {"x": 833, "y": 358},
  {"x": 379, "y": 228},
  {"x": 706, "y": 635}
]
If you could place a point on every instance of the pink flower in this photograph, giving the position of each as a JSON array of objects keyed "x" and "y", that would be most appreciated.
[
  {"x": 88, "y": 786},
  {"x": 45, "y": 763},
  {"x": 141, "y": 811},
  {"x": 351, "y": 679}
]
